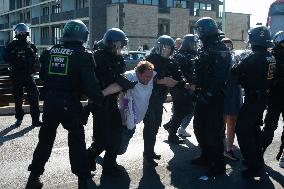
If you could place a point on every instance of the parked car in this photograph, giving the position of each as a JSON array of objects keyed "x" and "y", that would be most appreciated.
[{"x": 132, "y": 58}]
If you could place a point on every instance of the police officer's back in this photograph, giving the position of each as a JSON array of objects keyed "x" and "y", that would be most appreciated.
[
  {"x": 255, "y": 73},
  {"x": 68, "y": 72},
  {"x": 21, "y": 54}
]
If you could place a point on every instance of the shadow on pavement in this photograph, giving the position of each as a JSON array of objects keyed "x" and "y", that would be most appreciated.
[
  {"x": 185, "y": 175},
  {"x": 110, "y": 182},
  {"x": 150, "y": 178},
  {"x": 4, "y": 137},
  {"x": 278, "y": 177}
]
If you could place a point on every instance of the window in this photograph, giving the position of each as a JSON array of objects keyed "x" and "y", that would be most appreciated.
[
  {"x": 28, "y": 15},
  {"x": 44, "y": 33},
  {"x": 208, "y": 7},
  {"x": 163, "y": 27},
  {"x": 201, "y": 6},
  {"x": 177, "y": 3},
  {"x": 148, "y": 2},
  {"x": 45, "y": 11},
  {"x": 56, "y": 8},
  {"x": 19, "y": 4},
  {"x": 119, "y": 1},
  {"x": 82, "y": 4},
  {"x": 56, "y": 34},
  {"x": 27, "y": 2}
]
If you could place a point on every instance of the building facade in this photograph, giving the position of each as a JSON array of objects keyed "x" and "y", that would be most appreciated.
[{"x": 142, "y": 20}]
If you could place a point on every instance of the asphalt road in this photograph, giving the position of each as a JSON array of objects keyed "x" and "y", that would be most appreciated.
[{"x": 174, "y": 169}]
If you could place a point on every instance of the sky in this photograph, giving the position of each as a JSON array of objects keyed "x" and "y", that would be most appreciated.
[{"x": 257, "y": 8}]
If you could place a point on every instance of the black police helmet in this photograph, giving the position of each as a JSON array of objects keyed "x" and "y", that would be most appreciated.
[
  {"x": 205, "y": 27},
  {"x": 259, "y": 36},
  {"x": 189, "y": 42},
  {"x": 278, "y": 38},
  {"x": 164, "y": 40},
  {"x": 75, "y": 30},
  {"x": 21, "y": 29},
  {"x": 113, "y": 35}
]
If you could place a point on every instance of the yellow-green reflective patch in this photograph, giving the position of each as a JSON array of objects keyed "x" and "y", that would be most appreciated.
[{"x": 58, "y": 65}]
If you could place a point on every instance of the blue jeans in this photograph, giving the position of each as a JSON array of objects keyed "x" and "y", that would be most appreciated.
[{"x": 187, "y": 119}]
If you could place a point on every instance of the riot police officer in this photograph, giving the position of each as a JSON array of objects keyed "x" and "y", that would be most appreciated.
[
  {"x": 276, "y": 103},
  {"x": 68, "y": 72},
  {"x": 254, "y": 73},
  {"x": 160, "y": 58},
  {"x": 182, "y": 98},
  {"x": 212, "y": 67},
  {"x": 107, "y": 123},
  {"x": 21, "y": 54}
]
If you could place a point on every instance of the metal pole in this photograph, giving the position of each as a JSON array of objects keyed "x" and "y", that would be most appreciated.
[{"x": 224, "y": 18}]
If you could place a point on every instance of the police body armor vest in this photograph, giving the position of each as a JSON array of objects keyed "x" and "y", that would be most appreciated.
[
  {"x": 61, "y": 68},
  {"x": 23, "y": 58}
]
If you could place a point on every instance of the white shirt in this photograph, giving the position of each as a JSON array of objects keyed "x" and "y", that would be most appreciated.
[{"x": 134, "y": 103}]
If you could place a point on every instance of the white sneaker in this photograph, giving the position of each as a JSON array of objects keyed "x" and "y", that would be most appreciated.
[
  {"x": 281, "y": 161},
  {"x": 182, "y": 132}
]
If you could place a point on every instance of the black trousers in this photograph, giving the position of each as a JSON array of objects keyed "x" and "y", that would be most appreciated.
[
  {"x": 274, "y": 109},
  {"x": 208, "y": 127},
  {"x": 107, "y": 134},
  {"x": 248, "y": 132},
  {"x": 182, "y": 106},
  {"x": 32, "y": 94},
  {"x": 57, "y": 110},
  {"x": 152, "y": 121}
]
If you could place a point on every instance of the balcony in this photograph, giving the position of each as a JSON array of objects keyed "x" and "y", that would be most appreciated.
[
  {"x": 35, "y": 20},
  {"x": 44, "y": 19},
  {"x": 84, "y": 12},
  {"x": 44, "y": 41},
  {"x": 68, "y": 15},
  {"x": 6, "y": 26}
]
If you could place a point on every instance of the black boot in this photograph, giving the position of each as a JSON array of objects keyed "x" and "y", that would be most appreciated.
[
  {"x": 92, "y": 159},
  {"x": 86, "y": 183},
  {"x": 149, "y": 159},
  {"x": 173, "y": 138},
  {"x": 113, "y": 170},
  {"x": 34, "y": 182},
  {"x": 36, "y": 123}
]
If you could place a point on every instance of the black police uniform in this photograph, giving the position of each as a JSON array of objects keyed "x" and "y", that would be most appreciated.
[
  {"x": 275, "y": 103},
  {"x": 182, "y": 98},
  {"x": 254, "y": 73},
  {"x": 68, "y": 72},
  {"x": 212, "y": 67},
  {"x": 107, "y": 123},
  {"x": 153, "y": 117},
  {"x": 21, "y": 55}
]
